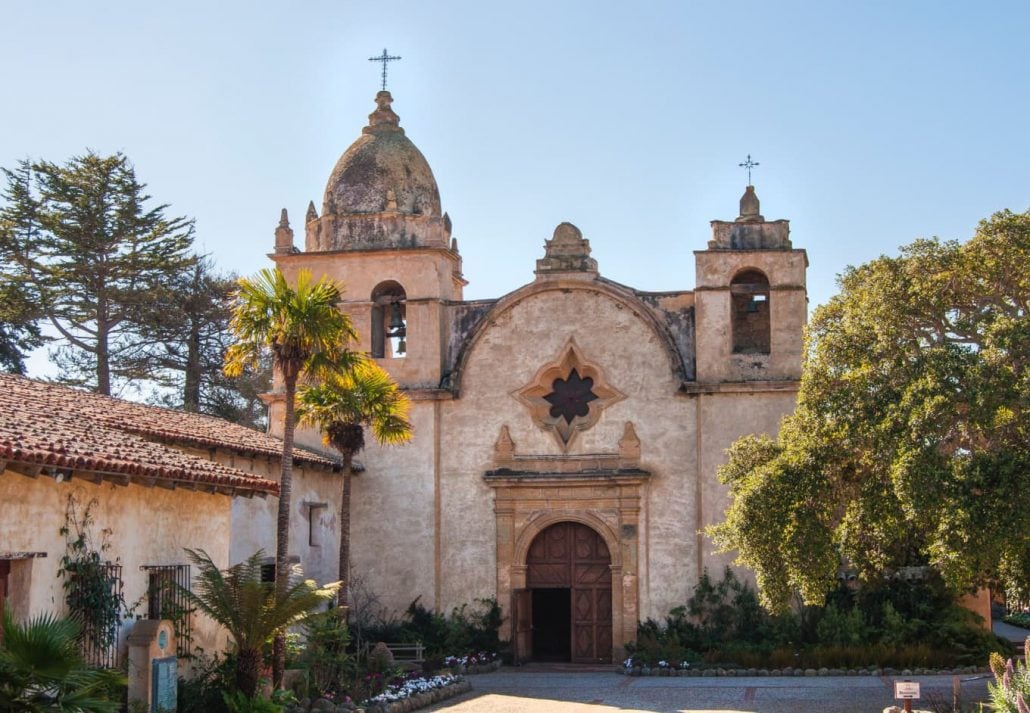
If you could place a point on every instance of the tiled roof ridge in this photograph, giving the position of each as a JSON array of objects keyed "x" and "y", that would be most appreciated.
[
  {"x": 46, "y": 426},
  {"x": 210, "y": 473},
  {"x": 111, "y": 416}
]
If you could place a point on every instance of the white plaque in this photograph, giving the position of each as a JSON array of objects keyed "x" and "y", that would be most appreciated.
[{"x": 906, "y": 690}]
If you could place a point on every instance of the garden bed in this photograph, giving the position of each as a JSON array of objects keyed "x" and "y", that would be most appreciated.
[
  {"x": 410, "y": 695},
  {"x": 483, "y": 662}
]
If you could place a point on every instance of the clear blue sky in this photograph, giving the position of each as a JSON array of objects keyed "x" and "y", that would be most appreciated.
[{"x": 874, "y": 122}]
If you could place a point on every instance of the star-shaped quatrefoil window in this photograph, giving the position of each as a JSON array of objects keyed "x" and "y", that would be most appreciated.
[
  {"x": 571, "y": 397},
  {"x": 568, "y": 395}
]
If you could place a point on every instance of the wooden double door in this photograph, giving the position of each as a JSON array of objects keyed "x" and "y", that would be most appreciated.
[{"x": 565, "y": 612}]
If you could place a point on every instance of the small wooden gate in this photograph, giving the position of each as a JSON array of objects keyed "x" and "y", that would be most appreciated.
[{"x": 573, "y": 556}]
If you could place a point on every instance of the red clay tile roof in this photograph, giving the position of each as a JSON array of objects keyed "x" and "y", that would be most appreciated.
[{"x": 45, "y": 424}]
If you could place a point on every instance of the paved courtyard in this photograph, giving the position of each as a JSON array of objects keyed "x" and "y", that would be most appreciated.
[{"x": 534, "y": 691}]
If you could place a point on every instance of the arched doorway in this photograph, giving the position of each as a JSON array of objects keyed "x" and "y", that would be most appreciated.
[{"x": 565, "y": 612}]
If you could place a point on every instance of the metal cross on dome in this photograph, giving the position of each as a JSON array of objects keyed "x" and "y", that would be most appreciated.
[
  {"x": 384, "y": 58},
  {"x": 748, "y": 164}
]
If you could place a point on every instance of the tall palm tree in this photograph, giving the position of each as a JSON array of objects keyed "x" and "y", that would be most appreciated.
[
  {"x": 306, "y": 333},
  {"x": 342, "y": 407},
  {"x": 250, "y": 610}
]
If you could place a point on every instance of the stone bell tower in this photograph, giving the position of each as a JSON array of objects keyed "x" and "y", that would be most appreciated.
[
  {"x": 382, "y": 234},
  {"x": 751, "y": 300}
]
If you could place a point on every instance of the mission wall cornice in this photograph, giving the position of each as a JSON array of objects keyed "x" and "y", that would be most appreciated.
[{"x": 621, "y": 296}]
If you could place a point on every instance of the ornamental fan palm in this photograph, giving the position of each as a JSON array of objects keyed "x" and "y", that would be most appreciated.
[
  {"x": 306, "y": 334},
  {"x": 251, "y": 610},
  {"x": 41, "y": 669},
  {"x": 342, "y": 406}
]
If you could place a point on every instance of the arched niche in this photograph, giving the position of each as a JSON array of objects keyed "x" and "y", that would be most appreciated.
[
  {"x": 389, "y": 328},
  {"x": 749, "y": 312}
]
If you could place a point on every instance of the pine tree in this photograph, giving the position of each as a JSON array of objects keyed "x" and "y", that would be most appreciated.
[
  {"x": 19, "y": 330},
  {"x": 95, "y": 256},
  {"x": 189, "y": 334}
]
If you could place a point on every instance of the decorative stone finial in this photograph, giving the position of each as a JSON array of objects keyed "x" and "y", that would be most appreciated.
[
  {"x": 567, "y": 251},
  {"x": 629, "y": 445},
  {"x": 749, "y": 207},
  {"x": 383, "y": 118},
  {"x": 504, "y": 447},
  {"x": 750, "y": 230},
  {"x": 284, "y": 235},
  {"x": 312, "y": 213}
]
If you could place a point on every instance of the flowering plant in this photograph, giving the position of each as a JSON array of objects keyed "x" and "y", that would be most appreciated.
[
  {"x": 411, "y": 685},
  {"x": 481, "y": 658},
  {"x": 1010, "y": 692}
]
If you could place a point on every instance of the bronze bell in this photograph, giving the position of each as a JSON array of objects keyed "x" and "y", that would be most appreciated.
[{"x": 396, "y": 320}]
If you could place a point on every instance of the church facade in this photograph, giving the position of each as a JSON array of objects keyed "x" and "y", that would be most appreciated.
[{"x": 567, "y": 434}]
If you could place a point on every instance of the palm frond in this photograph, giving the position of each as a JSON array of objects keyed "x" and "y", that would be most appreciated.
[
  {"x": 248, "y": 608},
  {"x": 301, "y": 325},
  {"x": 41, "y": 668},
  {"x": 365, "y": 395}
]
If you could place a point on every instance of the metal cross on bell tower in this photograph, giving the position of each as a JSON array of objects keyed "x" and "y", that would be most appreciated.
[
  {"x": 748, "y": 164},
  {"x": 384, "y": 58}
]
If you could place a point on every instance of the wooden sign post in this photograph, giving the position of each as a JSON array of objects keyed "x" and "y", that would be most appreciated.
[{"x": 907, "y": 691}]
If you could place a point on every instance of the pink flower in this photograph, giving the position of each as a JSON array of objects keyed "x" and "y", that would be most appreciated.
[{"x": 1021, "y": 705}]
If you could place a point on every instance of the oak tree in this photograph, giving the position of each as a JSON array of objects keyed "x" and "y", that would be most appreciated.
[{"x": 910, "y": 444}]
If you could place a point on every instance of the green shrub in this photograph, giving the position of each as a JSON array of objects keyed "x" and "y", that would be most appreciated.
[
  {"x": 240, "y": 702},
  {"x": 202, "y": 691},
  {"x": 843, "y": 628},
  {"x": 470, "y": 628},
  {"x": 896, "y": 623},
  {"x": 330, "y": 665},
  {"x": 1021, "y": 619},
  {"x": 42, "y": 669}
]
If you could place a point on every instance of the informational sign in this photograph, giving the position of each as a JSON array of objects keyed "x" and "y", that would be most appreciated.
[
  {"x": 906, "y": 690},
  {"x": 165, "y": 683}
]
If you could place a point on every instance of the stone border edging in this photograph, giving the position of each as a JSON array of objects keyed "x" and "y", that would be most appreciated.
[
  {"x": 411, "y": 703},
  {"x": 791, "y": 672},
  {"x": 419, "y": 700},
  {"x": 478, "y": 669}
]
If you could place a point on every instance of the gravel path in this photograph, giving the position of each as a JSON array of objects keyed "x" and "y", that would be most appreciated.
[{"x": 518, "y": 691}]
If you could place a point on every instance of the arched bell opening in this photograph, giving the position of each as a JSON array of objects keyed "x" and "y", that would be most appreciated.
[
  {"x": 565, "y": 611},
  {"x": 750, "y": 306},
  {"x": 389, "y": 326}
]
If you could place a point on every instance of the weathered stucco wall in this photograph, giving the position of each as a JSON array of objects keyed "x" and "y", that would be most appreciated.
[
  {"x": 397, "y": 548},
  {"x": 725, "y": 417},
  {"x": 517, "y": 342},
  {"x": 149, "y": 526},
  {"x": 314, "y": 531},
  {"x": 392, "y": 516}
]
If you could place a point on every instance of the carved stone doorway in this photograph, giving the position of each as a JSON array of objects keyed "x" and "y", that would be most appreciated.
[{"x": 568, "y": 574}]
